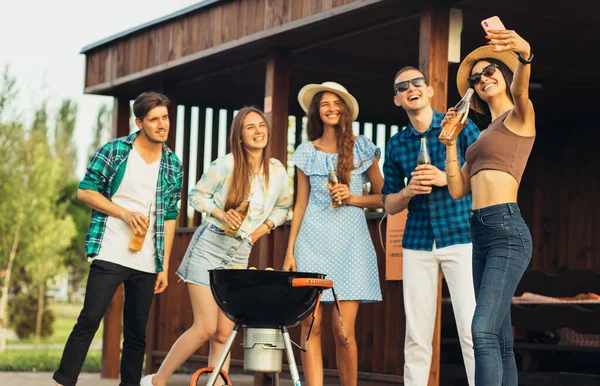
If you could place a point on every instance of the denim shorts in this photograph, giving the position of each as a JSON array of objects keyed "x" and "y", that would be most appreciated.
[{"x": 210, "y": 248}]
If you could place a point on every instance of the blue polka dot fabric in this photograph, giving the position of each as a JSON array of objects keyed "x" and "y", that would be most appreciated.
[{"x": 336, "y": 241}]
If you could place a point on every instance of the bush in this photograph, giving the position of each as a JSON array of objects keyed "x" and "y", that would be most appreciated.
[{"x": 23, "y": 313}]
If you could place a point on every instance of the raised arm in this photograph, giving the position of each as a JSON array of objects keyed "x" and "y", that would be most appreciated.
[{"x": 522, "y": 119}]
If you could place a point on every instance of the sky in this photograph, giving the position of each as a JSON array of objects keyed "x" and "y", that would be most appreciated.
[{"x": 41, "y": 41}]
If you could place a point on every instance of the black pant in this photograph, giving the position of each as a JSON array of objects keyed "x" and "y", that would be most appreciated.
[{"x": 103, "y": 281}]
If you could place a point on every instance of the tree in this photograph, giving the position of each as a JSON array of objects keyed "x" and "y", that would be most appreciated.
[
  {"x": 102, "y": 123},
  {"x": 14, "y": 181},
  {"x": 14, "y": 168},
  {"x": 8, "y": 91},
  {"x": 63, "y": 138},
  {"x": 75, "y": 257}
]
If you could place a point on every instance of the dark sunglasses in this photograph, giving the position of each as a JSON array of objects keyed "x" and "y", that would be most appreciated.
[
  {"x": 403, "y": 86},
  {"x": 487, "y": 71}
]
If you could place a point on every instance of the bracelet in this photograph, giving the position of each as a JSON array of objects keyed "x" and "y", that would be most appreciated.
[
  {"x": 269, "y": 229},
  {"x": 448, "y": 162}
]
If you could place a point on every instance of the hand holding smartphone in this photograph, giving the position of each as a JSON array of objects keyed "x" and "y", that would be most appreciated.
[{"x": 491, "y": 24}]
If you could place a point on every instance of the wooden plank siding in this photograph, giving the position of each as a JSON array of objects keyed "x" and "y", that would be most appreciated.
[{"x": 208, "y": 27}]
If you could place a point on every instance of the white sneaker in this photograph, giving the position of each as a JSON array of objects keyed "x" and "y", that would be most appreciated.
[{"x": 147, "y": 380}]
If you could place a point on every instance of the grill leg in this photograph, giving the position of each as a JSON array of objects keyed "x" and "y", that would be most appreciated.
[
  {"x": 275, "y": 379},
  {"x": 290, "y": 356},
  {"x": 221, "y": 361}
]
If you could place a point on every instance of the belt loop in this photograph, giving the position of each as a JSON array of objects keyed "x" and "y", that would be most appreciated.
[{"x": 510, "y": 208}]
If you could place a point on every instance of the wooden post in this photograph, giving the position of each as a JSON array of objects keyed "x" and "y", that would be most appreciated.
[
  {"x": 182, "y": 221},
  {"x": 111, "y": 338},
  {"x": 171, "y": 140},
  {"x": 200, "y": 155},
  {"x": 120, "y": 117},
  {"x": 277, "y": 89},
  {"x": 433, "y": 61}
]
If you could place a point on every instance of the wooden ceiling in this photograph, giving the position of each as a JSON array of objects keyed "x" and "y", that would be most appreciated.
[{"x": 364, "y": 49}]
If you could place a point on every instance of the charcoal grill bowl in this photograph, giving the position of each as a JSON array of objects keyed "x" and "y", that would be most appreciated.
[{"x": 266, "y": 299}]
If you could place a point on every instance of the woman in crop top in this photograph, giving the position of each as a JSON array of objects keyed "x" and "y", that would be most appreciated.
[{"x": 499, "y": 74}]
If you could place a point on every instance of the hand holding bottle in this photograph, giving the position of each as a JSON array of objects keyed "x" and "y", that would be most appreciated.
[
  {"x": 231, "y": 218},
  {"x": 429, "y": 175},
  {"x": 340, "y": 193},
  {"x": 456, "y": 119}
]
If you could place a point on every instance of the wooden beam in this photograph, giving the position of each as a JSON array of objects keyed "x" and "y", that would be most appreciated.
[
  {"x": 171, "y": 140},
  {"x": 200, "y": 155},
  {"x": 111, "y": 336},
  {"x": 433, "y": 53},
  {"x": 214, "y": 150},
  {"x": 120, "y": 117},
  {"x": 277, "y": 90},
  {"x": 433, "y": 61},
  {"x": 183, "y": 216}
]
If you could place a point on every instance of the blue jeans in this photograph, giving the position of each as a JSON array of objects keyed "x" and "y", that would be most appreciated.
[{"x": 501, "y": 252}]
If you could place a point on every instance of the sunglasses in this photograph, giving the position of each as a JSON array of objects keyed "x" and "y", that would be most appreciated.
[
  {"x": 403, "y": 86},
  {"x": 487, "y": 71}
]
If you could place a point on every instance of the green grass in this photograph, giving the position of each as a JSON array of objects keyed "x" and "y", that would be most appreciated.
[
  {"x": 66, "y": 315},
  {"x": 43, "y": 360}
]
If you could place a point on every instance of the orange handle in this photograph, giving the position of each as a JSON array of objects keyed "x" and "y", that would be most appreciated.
[
  {"x": 308, "y": 282},
  {"x": 196, "y": 375}
]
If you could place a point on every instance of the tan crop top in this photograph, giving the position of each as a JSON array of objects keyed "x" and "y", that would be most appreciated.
[{"x": 498, "y": 148}]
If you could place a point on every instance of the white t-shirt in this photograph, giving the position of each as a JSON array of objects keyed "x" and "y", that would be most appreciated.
[
  {"x": 135, "y": 193},
  {"x": 257, "y": 201}
]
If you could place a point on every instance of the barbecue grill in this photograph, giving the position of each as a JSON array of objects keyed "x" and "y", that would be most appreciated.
[{"x": 264, "y": 303}]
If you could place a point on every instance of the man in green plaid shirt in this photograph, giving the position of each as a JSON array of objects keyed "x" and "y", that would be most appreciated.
[{"x": 133, "y": 185}]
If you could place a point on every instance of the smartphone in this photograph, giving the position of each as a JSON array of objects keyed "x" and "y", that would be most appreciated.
[{"x": 492, "y": 23}]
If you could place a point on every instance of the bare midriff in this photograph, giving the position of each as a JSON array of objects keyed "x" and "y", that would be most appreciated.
[{"x": 493, "y": 187}]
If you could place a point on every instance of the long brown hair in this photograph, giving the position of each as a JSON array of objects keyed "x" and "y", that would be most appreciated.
[
  {"x": 241, "y": 177},
  {"x": 345, "y": 138}
]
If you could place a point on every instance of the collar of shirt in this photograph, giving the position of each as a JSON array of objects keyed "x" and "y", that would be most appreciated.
[{"x": 436, "y": 123}]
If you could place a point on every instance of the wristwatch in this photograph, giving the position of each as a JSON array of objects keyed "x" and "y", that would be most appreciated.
[{"x": 525, "y": 61}]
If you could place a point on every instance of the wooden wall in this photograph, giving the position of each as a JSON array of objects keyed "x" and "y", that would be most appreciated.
[
  {"x": 560, "y": 198},
  {"x": 208, "y": 27}
]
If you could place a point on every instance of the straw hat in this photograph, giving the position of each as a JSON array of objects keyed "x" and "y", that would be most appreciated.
[
  {"x": 307, "y": 93},
  {"x": 509, "y": 58}
]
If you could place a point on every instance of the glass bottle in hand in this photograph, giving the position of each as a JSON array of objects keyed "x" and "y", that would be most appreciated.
[
  {"x": 453, "y": 126},
  {"x": 332, "y": 181},
  {"x": 424, "y": 158},
  {"x": 242, "y": 210},
  {"x": 137, "y": 240}
]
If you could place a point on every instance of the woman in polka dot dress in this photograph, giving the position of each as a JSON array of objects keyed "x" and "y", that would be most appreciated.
[{"x": 334, "y": 240}]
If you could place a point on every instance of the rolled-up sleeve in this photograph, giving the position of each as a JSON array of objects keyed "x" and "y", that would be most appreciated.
[{"x": 97, "y": 172}]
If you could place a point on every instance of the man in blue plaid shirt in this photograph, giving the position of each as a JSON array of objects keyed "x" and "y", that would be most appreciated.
[
  {"x": 437, "y": 231},
  {"x": 133, "y": 185}
]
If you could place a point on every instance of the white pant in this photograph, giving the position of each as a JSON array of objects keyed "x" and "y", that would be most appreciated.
[{"x": 421, "y": 275}]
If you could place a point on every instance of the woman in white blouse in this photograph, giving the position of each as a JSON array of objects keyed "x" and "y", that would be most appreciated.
[{"x": 246, "y": 172}]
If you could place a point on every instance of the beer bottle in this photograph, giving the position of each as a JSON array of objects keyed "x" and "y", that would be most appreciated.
[
  {"x": 453, "y": 126},
  {"x": 424, "y": 158},
  {"x": 137, "y": 241},
  {"x": 242, "y": 210},
  {"x": 332, "y": 180}
]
